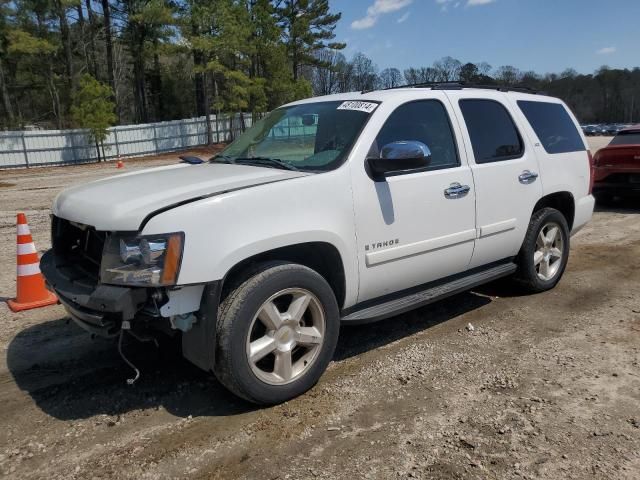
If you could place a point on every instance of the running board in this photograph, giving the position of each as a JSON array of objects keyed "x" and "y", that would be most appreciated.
[{"x": 431, "y": 294}]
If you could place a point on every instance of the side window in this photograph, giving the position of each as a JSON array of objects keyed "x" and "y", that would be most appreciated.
[
  {"x": 424, "y": 121},
  {"x": 553, "y": 126},
  {"x": 494, "y": 136}
]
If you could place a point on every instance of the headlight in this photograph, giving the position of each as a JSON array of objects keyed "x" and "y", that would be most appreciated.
[{"x": 152, "y": 260}]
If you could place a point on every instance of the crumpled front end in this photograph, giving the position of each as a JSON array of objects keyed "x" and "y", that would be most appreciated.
[{"x": 72, "y": 268}]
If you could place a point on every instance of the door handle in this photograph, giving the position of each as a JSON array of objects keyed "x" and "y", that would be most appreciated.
[
  {"x": 456, "y": 190},
  {"x": 527, "y": 177}
]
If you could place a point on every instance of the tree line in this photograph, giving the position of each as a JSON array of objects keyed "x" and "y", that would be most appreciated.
[
  {"x": 160, "y": 59},
  {"x": 608, "y": 95},
  {"x": 77, "y": 63}
]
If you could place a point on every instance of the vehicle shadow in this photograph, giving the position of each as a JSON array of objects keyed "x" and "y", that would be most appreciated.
[
  {"x": 619, "y": 205},
  {"x": 357, "y": 339},
  {"x": 71, "y": 376}
]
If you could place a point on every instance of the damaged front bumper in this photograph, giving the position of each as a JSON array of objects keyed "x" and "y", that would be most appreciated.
[
  {"x": 105, "y": 310},
  {"x": 99, "y": 309}
]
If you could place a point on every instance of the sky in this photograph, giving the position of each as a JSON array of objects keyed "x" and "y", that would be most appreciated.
[{"x": 540, "y": 35}]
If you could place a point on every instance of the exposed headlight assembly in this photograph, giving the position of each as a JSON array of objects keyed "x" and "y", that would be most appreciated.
[{"x": 151, "y": 260}]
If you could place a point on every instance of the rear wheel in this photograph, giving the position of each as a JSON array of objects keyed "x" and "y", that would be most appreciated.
[
  {"x": 277, "y": 332},
  {"x": 545, "y": 251}
]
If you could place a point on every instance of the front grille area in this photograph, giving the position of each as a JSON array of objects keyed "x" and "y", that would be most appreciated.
[{"x": 78, "y": 250}]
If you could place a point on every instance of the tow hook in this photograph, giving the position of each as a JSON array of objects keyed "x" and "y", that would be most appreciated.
[{"x": 126, "y": 327}]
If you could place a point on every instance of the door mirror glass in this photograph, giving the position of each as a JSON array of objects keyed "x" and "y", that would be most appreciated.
[
  {"x": 399, "y": 157},
  {"x": 405, "y": 150}
]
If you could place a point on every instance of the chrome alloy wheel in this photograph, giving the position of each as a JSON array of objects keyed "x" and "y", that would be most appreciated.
[
  {"x": 286, "y": 336},
  {"x": 547, "y": 258}
]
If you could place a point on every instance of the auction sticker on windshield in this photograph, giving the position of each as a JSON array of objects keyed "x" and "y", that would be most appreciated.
[{"x": 366, "y": 107}]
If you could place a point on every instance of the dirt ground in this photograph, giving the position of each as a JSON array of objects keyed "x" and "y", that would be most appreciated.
[
  {"x": 596, "y": 143},
  {"x": 541, "y": 386}
]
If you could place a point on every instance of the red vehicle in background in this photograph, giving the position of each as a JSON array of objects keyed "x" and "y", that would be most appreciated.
[{"x": 617, "y": 166}]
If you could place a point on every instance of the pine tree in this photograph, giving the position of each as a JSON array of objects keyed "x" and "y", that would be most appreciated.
[
  {"x": 148, "y": 21},
  {"x": 93, "y": 109},
  {"x": 218, "y": 34},
  {"x": 35, "y": 53},
  {"x": 307, "y": 26},
  {"x": 5, "y": 99},
  {"x": 108, "y": 42}
]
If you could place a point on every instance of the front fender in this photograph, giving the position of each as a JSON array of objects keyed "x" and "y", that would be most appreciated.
[
  {"x": 258, "y": 246},
  {"x": 224, "y": 230}
]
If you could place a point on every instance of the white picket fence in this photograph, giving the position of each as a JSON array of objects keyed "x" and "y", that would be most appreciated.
[{"x": 60, "y": 147}]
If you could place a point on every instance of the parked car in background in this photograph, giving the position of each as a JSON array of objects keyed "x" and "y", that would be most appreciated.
[
  {"x": 597, "y": 129},
  {"x": 617, "y": 166},
  {"x": 611, "y": 129},
  {"x": 590, "y": 130}
]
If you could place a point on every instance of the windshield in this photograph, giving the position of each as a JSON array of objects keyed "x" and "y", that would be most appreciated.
[
  {"x": 626, "y": 138},
  {"x": 311, "y": 136}
]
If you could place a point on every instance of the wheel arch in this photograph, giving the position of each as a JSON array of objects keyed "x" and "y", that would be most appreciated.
[
  {"x": 322, "y": 257},
  {"x": 562, "y": 201}
]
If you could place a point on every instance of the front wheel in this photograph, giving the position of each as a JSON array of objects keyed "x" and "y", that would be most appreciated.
[
  {"x": 545, "y": 251},
  {"x": 277, "y": 332}
]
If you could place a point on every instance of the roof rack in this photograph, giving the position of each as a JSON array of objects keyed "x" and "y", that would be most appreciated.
[{"x": 458, "y": 86}]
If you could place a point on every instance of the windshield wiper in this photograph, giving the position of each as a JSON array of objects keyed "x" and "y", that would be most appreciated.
[
  {"x": 220, "y": 158},
  {"x": 275, "y": 162}
]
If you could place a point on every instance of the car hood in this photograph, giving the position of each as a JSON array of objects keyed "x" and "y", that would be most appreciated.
[{"x": 122, "y": 202}]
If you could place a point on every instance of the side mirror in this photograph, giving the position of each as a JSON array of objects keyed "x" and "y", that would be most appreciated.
[{"x": 399, "y": 157}]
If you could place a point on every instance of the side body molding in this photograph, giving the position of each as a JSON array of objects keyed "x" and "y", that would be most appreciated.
[{"x": 417, "y": 248}]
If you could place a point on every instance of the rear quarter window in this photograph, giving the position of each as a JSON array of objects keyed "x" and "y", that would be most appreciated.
[{"x": 553, "y": 126}]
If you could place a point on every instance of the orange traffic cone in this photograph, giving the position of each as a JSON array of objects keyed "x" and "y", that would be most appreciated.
[
  {"x": 31, "y": 292},
  {"x": 119, "y": 163}
]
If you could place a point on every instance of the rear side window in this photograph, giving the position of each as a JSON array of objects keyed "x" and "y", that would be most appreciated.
[
  {"x": 626, "y": 138},
  {"x": 553, "y": 126},
  {"x": 493, "y": 134}
]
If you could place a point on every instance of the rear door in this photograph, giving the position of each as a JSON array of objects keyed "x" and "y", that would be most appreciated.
[
  {"x": 559, "y": 144},
  {"x": 505, "y": 173}
]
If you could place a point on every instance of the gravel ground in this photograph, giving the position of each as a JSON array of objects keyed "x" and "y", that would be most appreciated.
[
  {"x": 487, "y": 384},
  {"x": 596, "y": 143}
]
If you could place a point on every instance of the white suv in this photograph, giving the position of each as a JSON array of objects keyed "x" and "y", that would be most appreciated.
[{"x": 346, "y": 208}]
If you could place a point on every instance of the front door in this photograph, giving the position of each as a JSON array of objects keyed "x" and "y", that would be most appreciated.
[{"x": 418, "y": 226}]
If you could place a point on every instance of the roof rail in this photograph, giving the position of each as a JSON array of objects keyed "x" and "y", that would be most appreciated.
[{"x": 458, "y": 86}]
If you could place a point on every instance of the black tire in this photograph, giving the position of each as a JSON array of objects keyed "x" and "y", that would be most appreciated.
[
  {"x": 527, "y": 275},
  {"x": 236, "y": 314}
]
